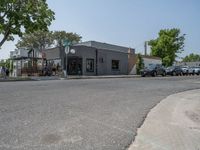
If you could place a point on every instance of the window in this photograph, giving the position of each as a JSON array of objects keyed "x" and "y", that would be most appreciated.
[
  {"x": 90, "y": 65},
  {"x": 115, "y": 64}
]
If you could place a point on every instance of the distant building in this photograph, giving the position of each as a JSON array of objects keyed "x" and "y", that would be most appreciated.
[
  {"x": 148, "y": 60},
  {"x": 190, "y": 64}
]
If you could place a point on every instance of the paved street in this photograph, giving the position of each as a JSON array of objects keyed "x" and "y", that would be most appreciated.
[{"x": 80, "y": 114}]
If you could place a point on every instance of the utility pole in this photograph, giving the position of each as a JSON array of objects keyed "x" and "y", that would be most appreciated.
[{"x": 145, "y": 48}]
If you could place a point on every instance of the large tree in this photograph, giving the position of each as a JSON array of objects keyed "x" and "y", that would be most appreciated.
[
  {"x": 169, "y": 43},
  {"x": 37, "y": 40},
  {"x": 19, "y": 16},
  {"x": 41, "y": 40},
  {"x": 191, "y": 58},
  {"x": 59, "y": 36}
]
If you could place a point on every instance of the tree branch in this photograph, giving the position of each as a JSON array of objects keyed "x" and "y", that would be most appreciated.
[{"x": 4, "y": 38}]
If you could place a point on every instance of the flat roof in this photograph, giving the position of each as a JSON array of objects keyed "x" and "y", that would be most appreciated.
[{"x": 105, "y": 46}]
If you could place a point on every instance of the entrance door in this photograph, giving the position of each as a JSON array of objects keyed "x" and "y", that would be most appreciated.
[{"x": 74, "y": 66}]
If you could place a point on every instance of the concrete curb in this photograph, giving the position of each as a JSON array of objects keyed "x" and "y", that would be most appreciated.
[
  {"x": 68, "y": 78},
  {"x": 174, "y": 124},
  {"x": 14, "y": 80},
  {"x": 102, "y": 77}
]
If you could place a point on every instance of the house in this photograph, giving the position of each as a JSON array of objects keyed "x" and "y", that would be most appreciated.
[
  {"x": 92, "y": 58},
  {"x": 147, "y": 60}
]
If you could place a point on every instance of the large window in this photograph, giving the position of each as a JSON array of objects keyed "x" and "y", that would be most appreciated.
[
  {"x": 115, "y": 64},
  {"x": 90, "y": 65}
]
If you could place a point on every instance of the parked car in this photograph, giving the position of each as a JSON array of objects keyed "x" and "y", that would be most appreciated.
[
  {"x": 185, "y": 70},
  {"x": 197, "y": 70},
  {"x": 191, "y": 71},
  {"x": 174, "y": 71},
  {"x": 153, "y": 70}
]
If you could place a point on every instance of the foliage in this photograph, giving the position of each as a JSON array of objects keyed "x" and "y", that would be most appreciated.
[
  {"x": 2, "y": 63},
  {"x": 7, "y": 63},
  {"x": 18, "y": 16},
  {"x": 168, "y": 44},
  {"x": 41, "y": 40},
  {"x": 59, "y": 36},
  {"x": 139, "y": 63},
  {"x": 191, "y": 58}
]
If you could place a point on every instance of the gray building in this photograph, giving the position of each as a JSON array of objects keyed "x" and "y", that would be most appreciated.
[
  {"x": 190, "y": 64},
  {"x": 92, "y": 58}
]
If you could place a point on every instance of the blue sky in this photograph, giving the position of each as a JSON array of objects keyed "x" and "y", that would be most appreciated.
[{"x": 125, "y": 22}]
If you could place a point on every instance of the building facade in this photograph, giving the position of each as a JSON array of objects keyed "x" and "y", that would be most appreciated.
[
  {"x": 25, "y": 62},
  {"x": 92, "y": 58}
]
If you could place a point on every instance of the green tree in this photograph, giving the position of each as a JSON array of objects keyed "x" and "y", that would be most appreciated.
[
  {"x": 139, "y": 63},
  {"x": 19, "y": 16},
  {"x": 36, "y": 40},
  {"x": 41, "y": 40},
  {"x": 2, "y": 63},
  {"x": 7, "y": 63},
  {"x": 191, "y": 58},
  {"x": 168, "y": 44},
  {"x": 59, "y": 36}
]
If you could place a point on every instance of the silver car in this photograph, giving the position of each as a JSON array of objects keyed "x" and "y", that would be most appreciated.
[
  {"x": 197, "y": 70},
  {"x": 185, "y": 70},
  {"x": 191, "y": 71}
]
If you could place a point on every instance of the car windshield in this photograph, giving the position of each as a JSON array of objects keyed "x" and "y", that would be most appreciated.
[
  {"x": 172, "y": 67},
  {"x": 151, "y": 67},
  {"x": 184, "y": 67}
]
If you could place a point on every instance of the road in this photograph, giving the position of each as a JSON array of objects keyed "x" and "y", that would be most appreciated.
[{"x": 80, "y": 114}]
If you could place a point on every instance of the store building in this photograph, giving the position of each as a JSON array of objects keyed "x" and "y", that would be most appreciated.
[{"x": 92, "y": 58}]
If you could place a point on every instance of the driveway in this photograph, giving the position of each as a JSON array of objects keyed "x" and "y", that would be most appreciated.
[{"x": 99, "y": 114}]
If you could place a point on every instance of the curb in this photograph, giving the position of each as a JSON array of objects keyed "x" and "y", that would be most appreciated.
[{"x": 69, "y": 78}]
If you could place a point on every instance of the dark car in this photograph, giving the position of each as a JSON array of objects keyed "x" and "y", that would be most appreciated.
[
  {"x": 174, "y": 71},
  {"x": 153, "y": 70}
]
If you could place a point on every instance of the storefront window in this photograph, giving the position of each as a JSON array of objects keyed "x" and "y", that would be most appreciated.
[
  {"x": 115, "y": 64},
  {"x": 90, "y": 65}
]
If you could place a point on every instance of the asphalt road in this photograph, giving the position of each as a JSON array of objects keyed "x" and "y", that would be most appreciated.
[{"x": 80, "y": 114}]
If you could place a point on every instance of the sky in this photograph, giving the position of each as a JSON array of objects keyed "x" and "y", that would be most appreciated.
[{"x": 124, "y": 22}]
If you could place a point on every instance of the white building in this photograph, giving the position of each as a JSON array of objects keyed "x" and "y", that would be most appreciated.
[
  {"x": 24, "y": 58},
  {"x": 190, "y": 64},
  {"x": 149, "y": 60}
]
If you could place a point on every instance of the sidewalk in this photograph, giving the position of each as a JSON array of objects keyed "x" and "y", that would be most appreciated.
[
  {"x": 174, "y": 124},
  {"x": 15, "y": 79},
  {"x": 103, "y": 77},
  {"x": 44, "y": 78}
]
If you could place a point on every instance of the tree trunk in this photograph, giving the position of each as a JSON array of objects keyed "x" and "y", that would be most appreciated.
[{"x": 4, "y": 38}]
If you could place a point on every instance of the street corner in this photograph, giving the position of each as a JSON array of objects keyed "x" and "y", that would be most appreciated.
[{"x": 172, "y": 124}]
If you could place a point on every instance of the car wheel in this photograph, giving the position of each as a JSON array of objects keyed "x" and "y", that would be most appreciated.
[
  {"x": 154, "y": 74},
  {"x": 164, "y": 74},
  {"x": 173, "y": 73}
]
